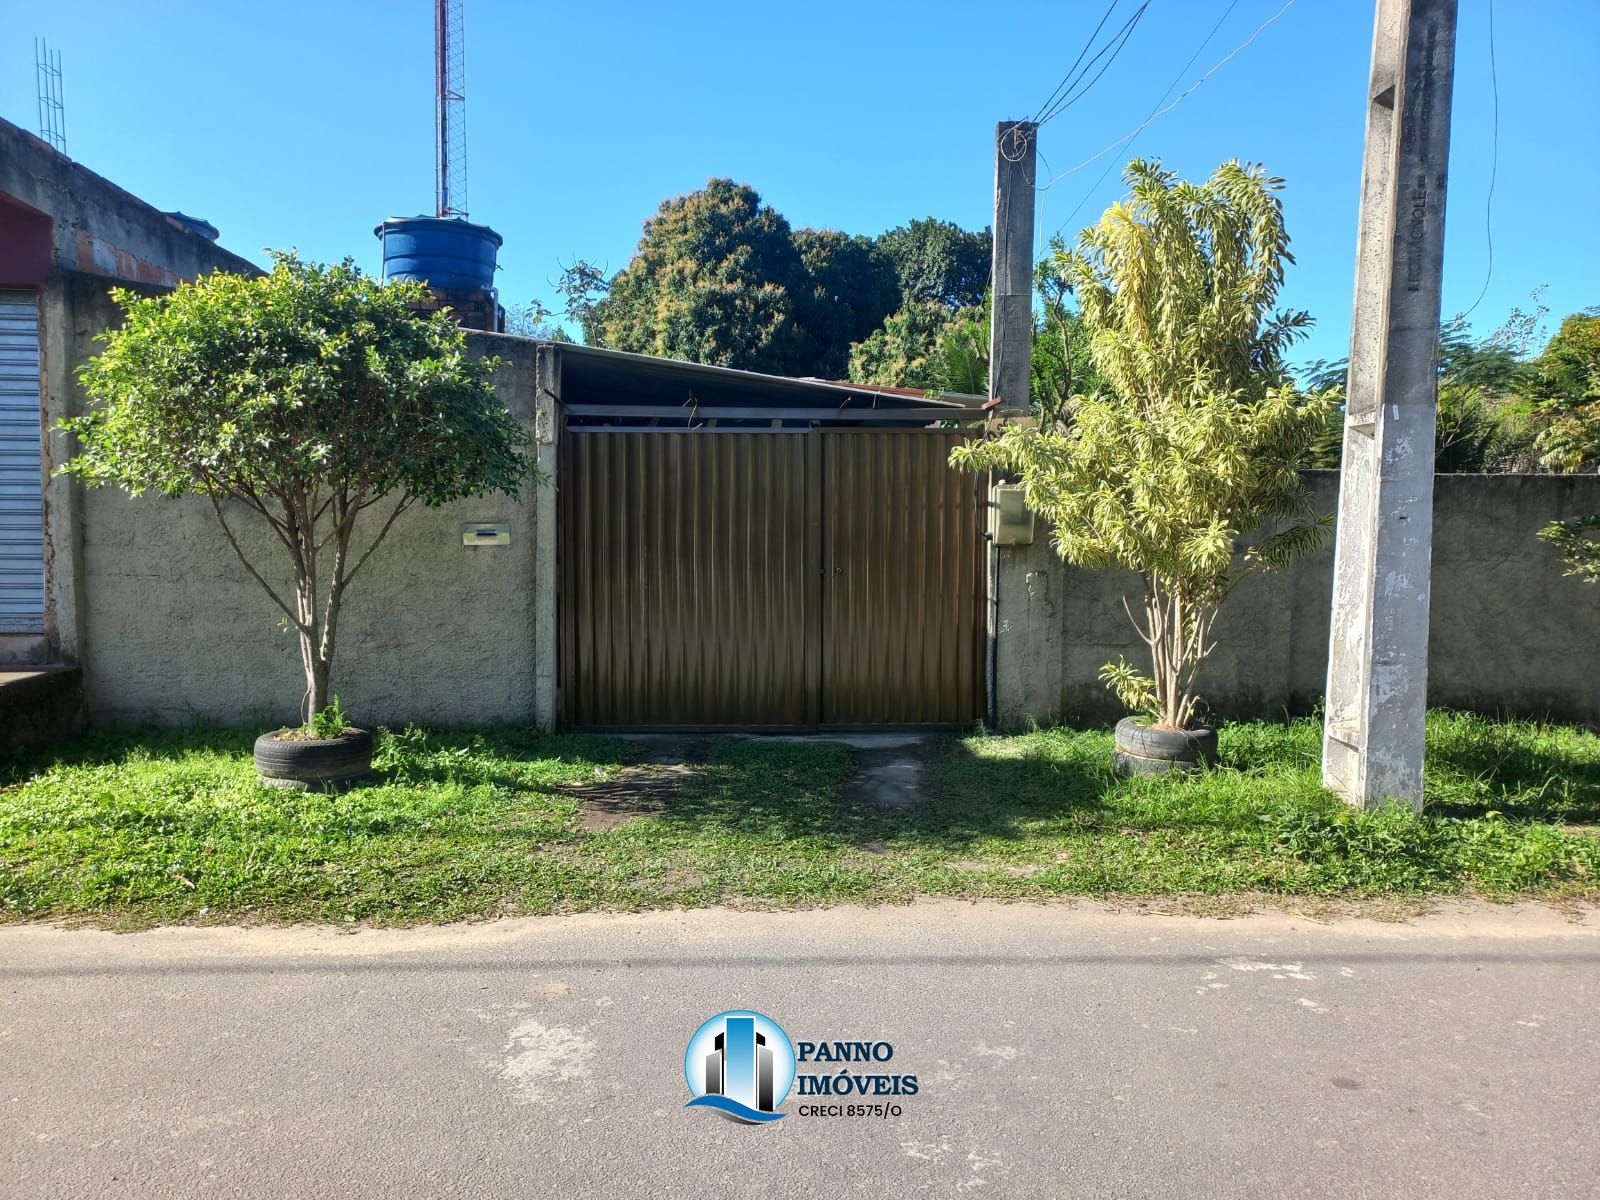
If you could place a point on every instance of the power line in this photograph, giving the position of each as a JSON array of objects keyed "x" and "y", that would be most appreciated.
[
  {"x": 1118, "y": 41},
  {"x": 1494, "y": 168},
  {"x": 1067, "y": 80},
  {"x": 1176, "y": 80},
  {"x": 1220, "y": 63}
]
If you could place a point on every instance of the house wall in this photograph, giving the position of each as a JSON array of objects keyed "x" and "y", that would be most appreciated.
[
  {"x": 98, "y": 228},
  {"x": 174, "y": 630},
  {"x": 72, "y": 236},
  {"x": 1509, "y": 632}
]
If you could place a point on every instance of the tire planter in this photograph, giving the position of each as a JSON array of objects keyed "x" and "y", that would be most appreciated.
[
  {"x": 1144, "y": 750},
  {"x": 315, "y": 764}
]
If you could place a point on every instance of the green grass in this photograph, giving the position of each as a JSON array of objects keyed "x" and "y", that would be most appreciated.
[{"x": 142, "y": 828}]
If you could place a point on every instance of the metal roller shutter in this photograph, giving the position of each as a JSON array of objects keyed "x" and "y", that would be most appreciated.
[{"x": 21, "y": 466}]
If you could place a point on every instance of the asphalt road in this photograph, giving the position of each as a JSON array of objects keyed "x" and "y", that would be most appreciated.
[{"x": 1060, "y": 1052}]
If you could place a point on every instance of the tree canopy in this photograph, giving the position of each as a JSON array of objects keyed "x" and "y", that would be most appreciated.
[
  {"x": 938, "y": 262},
  {"x": 721, "y": 277},
  {"x": 852, "y": 290},
  {"x": 302, "y": 399},
  {"x": 1564, "y": 381},
  {"x": 718, "y": 279},
  {"x": 929, "y": 346},
  {"x": 1484, "y": 420}
]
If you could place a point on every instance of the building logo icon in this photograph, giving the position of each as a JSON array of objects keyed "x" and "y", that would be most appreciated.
[{"x": 740, "y": 1064}]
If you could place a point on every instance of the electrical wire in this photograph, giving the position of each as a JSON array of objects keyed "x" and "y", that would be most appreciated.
[
  {"x": 1494, "y": 168},
  {"x": 1128, "y": 145},
  {"x": 1067, "y": 79},
  {"x": 1116, "y": 45},
  {"x": 1217, "y": 66}
]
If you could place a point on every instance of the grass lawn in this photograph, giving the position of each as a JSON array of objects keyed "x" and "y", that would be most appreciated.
[{"x": 142, "y": 828}]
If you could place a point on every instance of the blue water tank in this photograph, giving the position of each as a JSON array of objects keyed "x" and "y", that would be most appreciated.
[{"x": 443, "y": 252}]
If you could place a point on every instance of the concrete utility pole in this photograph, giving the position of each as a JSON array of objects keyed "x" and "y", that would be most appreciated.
[
  {"x": 1378, "y": 647},
  {"x": 1016, "y": 148}
]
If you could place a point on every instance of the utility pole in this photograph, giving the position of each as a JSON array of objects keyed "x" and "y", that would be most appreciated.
[
  {"x": 1016, "y": 152},
  {"x": 1016, "y": 146},
  {"x": 1372, "y": 744}
]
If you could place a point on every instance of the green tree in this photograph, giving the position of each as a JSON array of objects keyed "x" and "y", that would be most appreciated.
[
  {"x": 1482, "y": 422},
  {"x": 303, "y": 399},
  {"x": 928, "y": 346},
  {"x": 1564, "y": 382},
  {"x": 1194, "y": 441},
  {"x": 904, "y": 351},
  {"x": 716, "y": 279},
  {"x": 1062, "y": 364},
  {"x": 850, "y": 290},
  {"x": 938, "y": 262}
]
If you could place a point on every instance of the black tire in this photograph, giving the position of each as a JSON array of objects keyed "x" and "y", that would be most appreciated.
[
  {"x": 314, "y": 765},
  {"x": 1144, "y": 750}
]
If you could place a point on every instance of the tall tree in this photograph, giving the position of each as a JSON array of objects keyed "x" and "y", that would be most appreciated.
[
  {"x": 904, "y": 351},
  {"x": 1565, "y": 383},
  {"x": 938, "y": 262},
  {"x": 717, "y": 278},
  {"x": 851, "y": 289}
]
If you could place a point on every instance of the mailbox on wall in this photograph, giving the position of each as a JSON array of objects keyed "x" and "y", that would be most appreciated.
[
  {"x": 485, "y": 533},
  {"x": 1013, "y": 519}
]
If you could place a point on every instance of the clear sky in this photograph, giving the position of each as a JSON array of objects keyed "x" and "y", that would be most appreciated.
[{"x": 302, "y": 124}]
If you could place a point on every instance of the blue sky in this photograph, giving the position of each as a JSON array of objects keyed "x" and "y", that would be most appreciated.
[{"x": 304, "y": 124}]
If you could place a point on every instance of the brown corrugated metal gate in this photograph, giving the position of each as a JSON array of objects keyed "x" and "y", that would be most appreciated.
[{"x": 768, "y": 579}]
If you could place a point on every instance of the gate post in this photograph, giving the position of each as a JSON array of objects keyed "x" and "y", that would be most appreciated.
[{"x": 546, "y": 573}]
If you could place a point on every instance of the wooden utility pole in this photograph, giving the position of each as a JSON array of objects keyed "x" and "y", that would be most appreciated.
[
  {"x": 1011, "y": 324},
  {"x": 1372, "y": 745},
  {"x": 1016, "y": 151}
]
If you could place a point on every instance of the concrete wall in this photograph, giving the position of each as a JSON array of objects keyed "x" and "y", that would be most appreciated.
[
  {"x": 73, "y": 235},
  {"x": 174, "y": 630},
  {"x": 97, "y": 227},
  {"x": 1508, "y": 632}
]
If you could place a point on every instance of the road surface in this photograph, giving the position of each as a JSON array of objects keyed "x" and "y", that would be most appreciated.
[{"x": 1059, "y": 1052}]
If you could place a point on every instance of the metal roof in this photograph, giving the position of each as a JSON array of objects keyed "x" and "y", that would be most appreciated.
[{"x": 593, "y": 379}]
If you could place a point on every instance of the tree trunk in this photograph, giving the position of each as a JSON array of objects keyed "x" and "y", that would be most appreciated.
[
  {"x": 313, "y": 658},
  {"x": 317, "y": 672}
]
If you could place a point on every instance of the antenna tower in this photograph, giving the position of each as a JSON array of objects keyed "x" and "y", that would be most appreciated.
[
  {"x": 52, "y": 113},
  {"x": 450, "y": 106}
]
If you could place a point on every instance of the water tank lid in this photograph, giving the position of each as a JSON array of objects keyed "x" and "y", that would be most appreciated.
[{"x": 441, "y": 224}]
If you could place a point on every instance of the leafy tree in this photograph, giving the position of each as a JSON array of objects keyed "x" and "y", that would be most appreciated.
[
  {"x": 903, "y": 353},
  {"x": 717, "y": 279},
  {"x": 929, "y": 347},
  {"x": 305, "y": 398},
  {"x": 961, "y": 352},
  {"x": 1564, "y": 381},
  {"x": 1194, "y": 441},
  {"x": 938, "y": 262},
  {"x": 1482, "y": 423},
  {"x": 582, "y": 286},
  {"x": 851, "y": 290},
  {"x": 1062, "y": 364}
]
